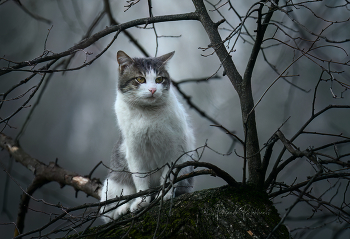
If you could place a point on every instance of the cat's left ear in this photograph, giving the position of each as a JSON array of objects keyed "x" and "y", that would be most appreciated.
[
  {"x": 123, "y": 60},
  {"x": 165, "y": 58}
]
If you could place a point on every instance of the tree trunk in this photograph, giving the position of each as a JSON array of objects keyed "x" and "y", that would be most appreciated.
[{"x": 223, "y": 212}]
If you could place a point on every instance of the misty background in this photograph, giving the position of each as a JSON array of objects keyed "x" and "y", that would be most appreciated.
[{"x": 74, "y": 121}]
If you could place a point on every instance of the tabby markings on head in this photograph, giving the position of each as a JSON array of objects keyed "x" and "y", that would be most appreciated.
[{"x": 144, "y": 81}]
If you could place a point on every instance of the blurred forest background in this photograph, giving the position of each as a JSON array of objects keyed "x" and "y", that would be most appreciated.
[{"x": 74, "y": 120}]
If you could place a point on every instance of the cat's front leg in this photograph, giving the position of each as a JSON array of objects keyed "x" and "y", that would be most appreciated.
[
  {"x": 111, "y": 189},
  {"x": 164, "y": 179},
  {"x": 142, "y": 183},
  {"x": 139, "y": 203},
  {"x": 184, "y": 186}
]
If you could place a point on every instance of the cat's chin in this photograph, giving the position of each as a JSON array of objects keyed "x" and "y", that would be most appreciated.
[{"x": 151, "y": 100}]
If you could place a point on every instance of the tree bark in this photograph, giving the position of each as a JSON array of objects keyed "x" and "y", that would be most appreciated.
[{"x": 243, "y": 88}]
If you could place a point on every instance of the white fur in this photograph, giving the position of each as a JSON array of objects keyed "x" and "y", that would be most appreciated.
[{"x": 166, "y": 131}]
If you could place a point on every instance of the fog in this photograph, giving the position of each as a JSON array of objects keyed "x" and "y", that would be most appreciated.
[{"x": 74, "y": 121}]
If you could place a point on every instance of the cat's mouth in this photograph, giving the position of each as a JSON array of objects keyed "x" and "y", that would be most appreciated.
[{"x": 151, "y": 97}]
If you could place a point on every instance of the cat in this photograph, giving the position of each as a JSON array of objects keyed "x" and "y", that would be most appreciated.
[{"x": 154, "y": 130}]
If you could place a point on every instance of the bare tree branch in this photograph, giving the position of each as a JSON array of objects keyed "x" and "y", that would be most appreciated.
[
  {"x": 88, "y": 41},
  {"x": 51, "y": 172}
]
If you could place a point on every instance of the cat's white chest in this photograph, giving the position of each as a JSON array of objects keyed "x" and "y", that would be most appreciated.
[{"x": 155, "y": 137}]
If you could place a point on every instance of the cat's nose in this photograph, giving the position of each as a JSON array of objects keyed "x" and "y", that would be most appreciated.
[{"x": 152, "y": 90}]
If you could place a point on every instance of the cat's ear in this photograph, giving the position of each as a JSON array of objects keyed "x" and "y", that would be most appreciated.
[
  {"x": 165, "y": 58},
  {"x": 123, "y": 60}
]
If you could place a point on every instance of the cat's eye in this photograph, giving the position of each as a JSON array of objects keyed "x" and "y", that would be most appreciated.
[
  {"x": 159, "y": 80},
  {"x": 141, "y": 80}
]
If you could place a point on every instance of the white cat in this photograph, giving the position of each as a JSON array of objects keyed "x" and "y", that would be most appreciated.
[{"x": 154, "y": 130}]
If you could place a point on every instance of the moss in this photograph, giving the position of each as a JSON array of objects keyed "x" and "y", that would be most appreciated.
[{"x": 223, "y": 212}]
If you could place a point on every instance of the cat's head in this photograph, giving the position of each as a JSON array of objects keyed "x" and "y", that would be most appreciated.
[{"x": 143, "y": 81}]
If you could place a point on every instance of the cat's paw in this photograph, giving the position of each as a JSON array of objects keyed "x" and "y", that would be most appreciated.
[
  {"x": 114, "y": 214},
  {"x": 121, "y": 210},
  {"x": 168, "y": 195},
  {"x": 140, "y": 203}
]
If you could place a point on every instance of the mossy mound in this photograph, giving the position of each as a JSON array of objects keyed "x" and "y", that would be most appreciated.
[{"x": 223, "y": 212}]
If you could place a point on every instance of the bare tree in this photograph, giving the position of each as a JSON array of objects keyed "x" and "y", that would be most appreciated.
[{"x": 307, "y": 38}]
